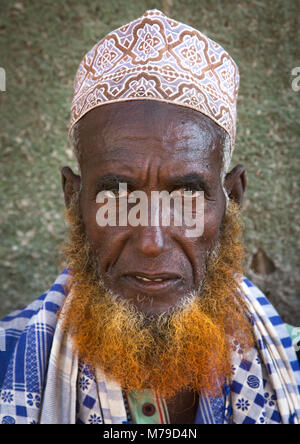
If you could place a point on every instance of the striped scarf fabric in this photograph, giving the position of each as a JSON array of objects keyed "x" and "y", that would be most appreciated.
[{"x": 42, "y": 380}]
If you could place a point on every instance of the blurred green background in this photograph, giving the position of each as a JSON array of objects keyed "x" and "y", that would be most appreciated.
[{"x": 41, "y": 45}]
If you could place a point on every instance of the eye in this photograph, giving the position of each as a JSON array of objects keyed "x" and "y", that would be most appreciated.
[
  {"x": 115, "y": 193},
  {"x": 189, "y": 192}
]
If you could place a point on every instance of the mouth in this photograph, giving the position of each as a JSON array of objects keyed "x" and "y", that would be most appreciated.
[{"x": 154, "y": 282}]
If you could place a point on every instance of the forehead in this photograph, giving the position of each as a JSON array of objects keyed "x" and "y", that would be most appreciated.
[{"x": 135, "y": 135}]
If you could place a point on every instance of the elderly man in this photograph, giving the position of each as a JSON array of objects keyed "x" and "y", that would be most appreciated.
[{"x": 151, "y": 323}]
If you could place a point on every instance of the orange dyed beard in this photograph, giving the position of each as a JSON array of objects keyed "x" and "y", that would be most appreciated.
[{"x": 187, "y": 349}]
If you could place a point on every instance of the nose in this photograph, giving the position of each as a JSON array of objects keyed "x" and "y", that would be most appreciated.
[{"x": 149, "y": 241}]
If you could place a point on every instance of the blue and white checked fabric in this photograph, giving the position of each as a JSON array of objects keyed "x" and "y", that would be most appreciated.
[
  {"x": 27, "y": 339},
  {"x": 42, "y": 381}
]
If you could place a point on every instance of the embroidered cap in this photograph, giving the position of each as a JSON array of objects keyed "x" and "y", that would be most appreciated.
[{"x": 157, "y": 58}]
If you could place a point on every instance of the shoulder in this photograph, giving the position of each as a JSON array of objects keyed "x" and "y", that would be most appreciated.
[
  {"x": 31, "y": 326},
  {"x": 49, "y": 302},
  {"x": 267, "y": 316}
]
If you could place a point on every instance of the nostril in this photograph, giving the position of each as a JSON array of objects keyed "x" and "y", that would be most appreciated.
[{"x": 150, "y": 242}]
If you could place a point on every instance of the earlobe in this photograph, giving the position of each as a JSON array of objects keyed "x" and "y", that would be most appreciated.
[
  {"x": 235, "y": 184},
  {"x": 70, "y": 183}
]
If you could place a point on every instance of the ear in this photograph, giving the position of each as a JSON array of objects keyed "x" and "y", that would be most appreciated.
[
  {"x": 235, "y": 184},
  {"x": 70, "y": 183}
]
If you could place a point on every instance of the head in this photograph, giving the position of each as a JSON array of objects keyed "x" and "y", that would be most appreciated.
[
  {"x": 154, "y": 146},
  {"x": 149, "y": 305}
]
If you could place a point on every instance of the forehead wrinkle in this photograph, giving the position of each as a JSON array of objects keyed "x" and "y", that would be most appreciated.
[
  {"x": 113, "y": 132},
  {"x": 177, "y": 138},
  {"x": 177, "y": 130},
  {"x": 159, "y": 161},
  {"x": 149, "y": 174},
  {"x": 163, "y": 146}
]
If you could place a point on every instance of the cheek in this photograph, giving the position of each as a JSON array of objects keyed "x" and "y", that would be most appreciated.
[
  {"x": 212, "y": 222},
  {"x": 106, "y": 242},
  {"x": 213, "y": 215},
  {"x": 95, "y": 233},
  {"x": 89, "y": 213},
  {"x": 208, "y": 240}
]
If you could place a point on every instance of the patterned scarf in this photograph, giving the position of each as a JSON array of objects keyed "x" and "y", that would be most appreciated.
[{"x": 42, "y": 381}]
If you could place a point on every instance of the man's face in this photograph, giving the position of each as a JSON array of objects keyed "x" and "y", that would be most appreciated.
[
  {"x": 151, "y": 146},
  {"x": 114, "y": 315}
]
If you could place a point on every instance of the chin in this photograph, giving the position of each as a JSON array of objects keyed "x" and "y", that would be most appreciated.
[{"x": 153, "y": 306}]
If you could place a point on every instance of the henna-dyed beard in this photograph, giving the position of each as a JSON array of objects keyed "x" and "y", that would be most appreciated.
[{"x": 187, "y": 349}]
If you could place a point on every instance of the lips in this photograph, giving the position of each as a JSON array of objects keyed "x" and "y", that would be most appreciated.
[{"x": 153, "y": 282}]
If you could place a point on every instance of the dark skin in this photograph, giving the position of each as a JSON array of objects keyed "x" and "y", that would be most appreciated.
[{"x": 152, "y": 146}]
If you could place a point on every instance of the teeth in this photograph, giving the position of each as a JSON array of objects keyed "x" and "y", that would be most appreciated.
[
  {"x": 143, "y": 278},
  {"x": 148, "y": 280}
]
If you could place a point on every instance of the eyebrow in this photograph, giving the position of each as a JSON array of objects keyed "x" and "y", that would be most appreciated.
[
  {"x": 111, "y": 180},
  {"x": 191, "y": 179}
]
